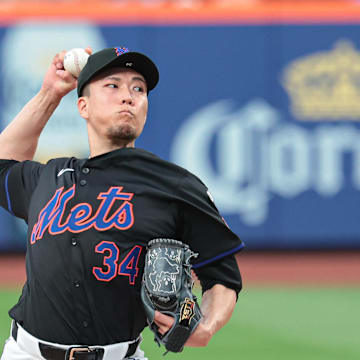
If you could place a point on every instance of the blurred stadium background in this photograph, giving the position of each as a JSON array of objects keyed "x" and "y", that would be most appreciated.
[{"x": 260, "y": 99}]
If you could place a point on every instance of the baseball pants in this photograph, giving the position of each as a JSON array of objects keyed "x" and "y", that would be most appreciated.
[{"x": 15, "y": 351}]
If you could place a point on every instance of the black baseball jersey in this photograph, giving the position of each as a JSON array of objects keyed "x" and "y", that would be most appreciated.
[{"x": 89, "y": 222}]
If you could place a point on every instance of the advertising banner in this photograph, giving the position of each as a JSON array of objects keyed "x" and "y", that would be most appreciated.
[{"x": 266, "y": 115}]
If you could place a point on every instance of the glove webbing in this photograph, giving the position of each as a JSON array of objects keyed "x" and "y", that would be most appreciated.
[{"x": 175, "y": 342}]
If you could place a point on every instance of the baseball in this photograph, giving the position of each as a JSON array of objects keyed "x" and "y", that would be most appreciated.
[{"x": 75, "y": 60}]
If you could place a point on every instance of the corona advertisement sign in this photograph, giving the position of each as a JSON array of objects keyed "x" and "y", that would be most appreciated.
[{"x": 265, "y": 109}]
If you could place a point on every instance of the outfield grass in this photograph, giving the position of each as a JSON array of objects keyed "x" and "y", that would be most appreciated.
[{"x": 269, "y": 324}]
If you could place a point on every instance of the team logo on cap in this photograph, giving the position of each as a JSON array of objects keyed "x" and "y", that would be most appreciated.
[{"x": 121, "y": 50}]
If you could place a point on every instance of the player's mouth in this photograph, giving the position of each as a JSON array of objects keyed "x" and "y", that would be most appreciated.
[{"x": 126, "y": 112}]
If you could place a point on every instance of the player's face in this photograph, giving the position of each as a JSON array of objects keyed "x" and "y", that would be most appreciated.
[{"x": 116, "y": 106}]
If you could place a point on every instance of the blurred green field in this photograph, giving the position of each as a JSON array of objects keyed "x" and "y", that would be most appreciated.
[{"x": 269, "y": 324}]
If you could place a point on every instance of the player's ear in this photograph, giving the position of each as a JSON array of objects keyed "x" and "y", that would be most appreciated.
[{"x": 82, "y": 105}]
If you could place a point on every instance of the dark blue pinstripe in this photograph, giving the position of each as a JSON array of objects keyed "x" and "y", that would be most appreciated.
[
  {"x": 219, "y": 256},
  {"x": 7, "y": 193}
]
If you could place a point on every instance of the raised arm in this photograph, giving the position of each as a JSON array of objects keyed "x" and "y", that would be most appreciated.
[{"x": 18, "y": 141}]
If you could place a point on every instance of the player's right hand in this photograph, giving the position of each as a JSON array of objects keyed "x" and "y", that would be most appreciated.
[
  {"x": 164, "y": 322},
  {"x": 57, "y": 81}
]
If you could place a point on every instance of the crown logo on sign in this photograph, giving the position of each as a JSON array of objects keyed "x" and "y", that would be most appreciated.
[{"x": 325, "y": 85}]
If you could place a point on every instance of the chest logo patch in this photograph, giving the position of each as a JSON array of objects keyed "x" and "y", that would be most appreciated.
[{"x": 82, "y": 216}]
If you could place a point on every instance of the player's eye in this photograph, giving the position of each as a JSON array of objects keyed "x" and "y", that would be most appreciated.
[
  {"x": 113, "y": 86},
  {"x": 138, "y": 88}
]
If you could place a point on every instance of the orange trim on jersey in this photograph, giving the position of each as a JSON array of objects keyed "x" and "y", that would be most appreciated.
[
  {"x": 123, "y": 13},
  {"x": 79, "y": 217},
  {"x": 56, "y": 219},
  {"x": 38, "y": 229},
  {"x": 132, "y": 264},
  {"x": 51, "y": 215},
  {"x": 98, "y": 272},
  {"x": 125, "y": 210}
]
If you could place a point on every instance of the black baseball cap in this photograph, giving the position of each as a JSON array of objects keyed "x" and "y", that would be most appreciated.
[{"x": 118, "y": 57}]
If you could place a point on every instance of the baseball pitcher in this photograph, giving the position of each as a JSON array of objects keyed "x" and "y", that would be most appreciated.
[{"x": 112, "y": 239}]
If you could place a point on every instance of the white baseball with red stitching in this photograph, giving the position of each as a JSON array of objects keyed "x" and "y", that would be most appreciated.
[{"x": 75, "y": 60}]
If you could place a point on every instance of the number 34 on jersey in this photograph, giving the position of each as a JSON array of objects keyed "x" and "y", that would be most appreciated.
[{"x": 111, "y": 267}]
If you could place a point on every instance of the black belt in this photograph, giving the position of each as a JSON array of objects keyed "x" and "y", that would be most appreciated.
[{"x": 73, "y": 353}]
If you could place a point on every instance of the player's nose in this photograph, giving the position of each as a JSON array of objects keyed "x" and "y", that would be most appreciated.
[{"x": 125, "y": 96}]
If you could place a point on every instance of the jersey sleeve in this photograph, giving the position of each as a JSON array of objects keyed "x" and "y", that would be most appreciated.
[
  {"x": 224, "y": 271},
  {"x": 18, "y": 180},
  {"x": 203, "y": 228}
]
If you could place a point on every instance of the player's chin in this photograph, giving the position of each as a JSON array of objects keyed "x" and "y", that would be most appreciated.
[{"x": 123, "y": 133}]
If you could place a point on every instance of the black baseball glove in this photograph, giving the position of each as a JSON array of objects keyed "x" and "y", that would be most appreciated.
[{"x": 167, "y": 287}]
